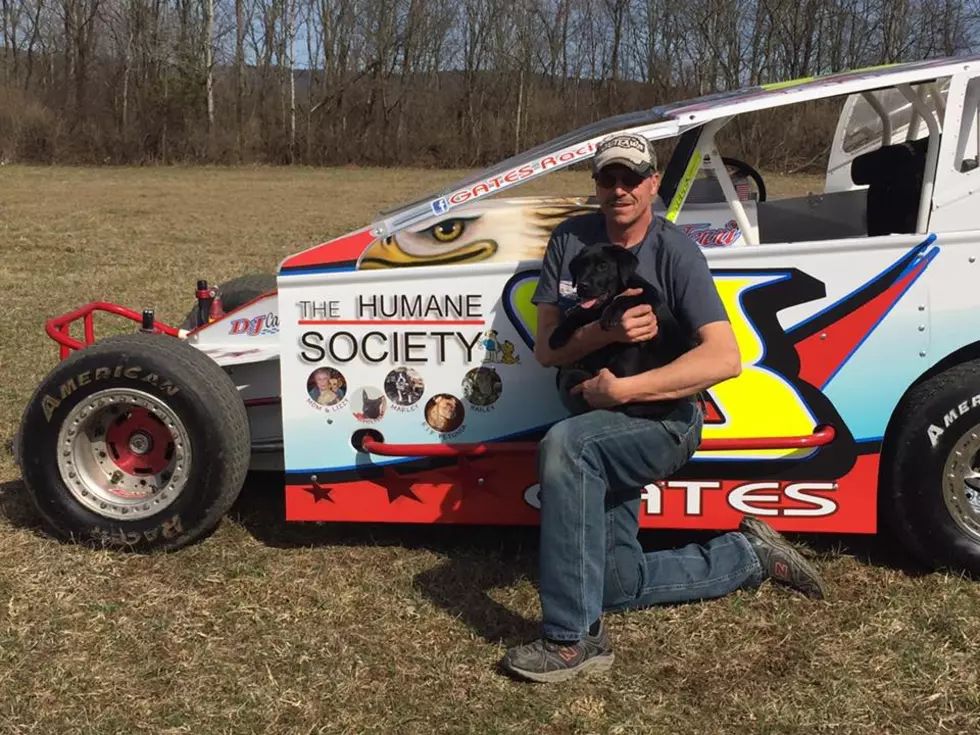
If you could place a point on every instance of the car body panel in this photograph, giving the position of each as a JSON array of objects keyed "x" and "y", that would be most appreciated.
[{"x": 833, "y": 325}]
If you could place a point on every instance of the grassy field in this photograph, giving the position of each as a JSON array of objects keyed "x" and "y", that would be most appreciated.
[{"x": 272, "y": 628}]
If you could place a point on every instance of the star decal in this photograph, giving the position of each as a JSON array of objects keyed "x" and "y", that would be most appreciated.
[
  {"x": 398, "y": 487},
  {"x": 319, "y": 492}
]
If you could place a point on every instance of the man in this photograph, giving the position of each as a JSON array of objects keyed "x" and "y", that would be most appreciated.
[{"x": 592, "y": 467}]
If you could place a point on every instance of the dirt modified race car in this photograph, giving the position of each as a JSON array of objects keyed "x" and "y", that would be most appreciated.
[{"x": 389, "y": 373}]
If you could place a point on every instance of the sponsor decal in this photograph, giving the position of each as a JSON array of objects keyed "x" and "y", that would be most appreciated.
[
  {"x": 949, "y": 418},
  {"x": 439, "y": 206},
  {"x": 169, "y": 528},
  {"x": 257, "y": 325},
  {"x": 318, "y": 309},
  {"x": 519, "y": 173},
  {"x": 684, "y": 188},
  {"x": 413, "y": 328},
  {"x": 128, "y": 372},
  {"x": 770, "y": 498},
  {"x": 417, "y": 346},
  {"x": 495, "y": 351},
  {"x": 494, "y": 183},
  {"x": 707, "y": 236}
]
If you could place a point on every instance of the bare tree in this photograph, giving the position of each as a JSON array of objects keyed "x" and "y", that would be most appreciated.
[
  {"x": 209, "y": 69},
  {"x": 448, "y": 82}
]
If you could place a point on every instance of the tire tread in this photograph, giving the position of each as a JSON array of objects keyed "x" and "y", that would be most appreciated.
[
  {"x": 901, "y": 446},
  {"x": 210, "y": 382}
]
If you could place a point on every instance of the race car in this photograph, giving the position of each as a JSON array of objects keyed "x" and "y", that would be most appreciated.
[{"x": 389, "y": 373}]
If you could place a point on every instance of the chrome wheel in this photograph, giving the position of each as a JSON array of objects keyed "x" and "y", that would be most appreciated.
[
  {"x": 124, "y": 454},
  {"x": 961, "y": 484}
]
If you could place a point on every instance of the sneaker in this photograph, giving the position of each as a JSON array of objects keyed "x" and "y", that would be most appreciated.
[
  {"x": 780, "y": 561},
  {"x": 549, "y": 661}
]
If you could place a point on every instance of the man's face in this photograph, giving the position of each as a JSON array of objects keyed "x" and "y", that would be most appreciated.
[{"x": 623, "y": 194}]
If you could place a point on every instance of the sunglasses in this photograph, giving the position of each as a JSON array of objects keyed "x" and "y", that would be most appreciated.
[{"x": 608, "y": 180}]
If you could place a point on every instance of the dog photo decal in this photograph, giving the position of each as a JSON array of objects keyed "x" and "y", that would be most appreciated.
[
  {"x": 404, "y": 387},
  {"x": 482, "y": 387},
  {"x": 326, "y": 389},
  {"x": 444, "y": 413},
  {"x": 368, "y": 405}
]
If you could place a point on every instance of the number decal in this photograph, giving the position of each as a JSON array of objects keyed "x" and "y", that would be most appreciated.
[{"x": 760, "y": 402}]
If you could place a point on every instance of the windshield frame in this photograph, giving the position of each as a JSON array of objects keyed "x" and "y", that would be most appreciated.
[
  {"x": 655, "y": 123},
  {"x": 554, "y": 155}
]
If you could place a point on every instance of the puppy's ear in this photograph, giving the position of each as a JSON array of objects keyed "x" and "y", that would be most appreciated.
[{"x": 626, "y": 263}]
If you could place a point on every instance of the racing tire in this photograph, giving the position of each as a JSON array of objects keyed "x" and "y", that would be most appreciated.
[
  {"x": 138, "y": 442},
  {"x": 930, "y": 476},
  {"x": 235, "y": 293}
]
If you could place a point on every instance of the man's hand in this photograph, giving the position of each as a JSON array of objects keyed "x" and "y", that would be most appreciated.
[
  {"x": 602, "y": 391},
  {"x": 638, "y": 324}
]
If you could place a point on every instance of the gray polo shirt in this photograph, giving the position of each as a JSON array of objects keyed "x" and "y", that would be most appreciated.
[{"x": 668, "y": 259}]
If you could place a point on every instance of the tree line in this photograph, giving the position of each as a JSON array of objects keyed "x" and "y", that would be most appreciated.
[{"x": 420, "y": 82}]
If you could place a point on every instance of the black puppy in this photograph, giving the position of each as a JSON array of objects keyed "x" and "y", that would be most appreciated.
[{"x": 599, "y": 273}]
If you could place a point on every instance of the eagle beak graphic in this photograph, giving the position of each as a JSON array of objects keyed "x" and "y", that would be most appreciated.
[{"x": 385, "y": 253}]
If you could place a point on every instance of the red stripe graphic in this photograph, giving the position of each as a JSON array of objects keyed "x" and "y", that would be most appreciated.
[
  {"x": 821, "y": 356},
  {"x": 342, "y": 249},
  {"x": 400, "y": 322},
  {"x": 488, "y": 491}
]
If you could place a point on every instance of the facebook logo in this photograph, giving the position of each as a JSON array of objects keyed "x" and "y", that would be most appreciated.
[{"x": 440, "y": 206}]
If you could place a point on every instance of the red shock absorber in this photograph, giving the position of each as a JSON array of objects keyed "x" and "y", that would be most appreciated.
[{"x": 205, "y": 303}]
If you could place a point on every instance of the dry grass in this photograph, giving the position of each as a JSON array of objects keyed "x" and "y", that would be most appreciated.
[{"x": 272, "y": 628}]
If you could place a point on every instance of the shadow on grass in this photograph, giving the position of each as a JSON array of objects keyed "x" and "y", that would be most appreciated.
[
  {"x": 17, "y": 509},
  {"x": 260, "y": 509},
  {"x": 476, "y": 560},
  {"x": 479, "y": 559},
  {"x": 879, "y": 550},
  {"x": 461, "y": 586}
]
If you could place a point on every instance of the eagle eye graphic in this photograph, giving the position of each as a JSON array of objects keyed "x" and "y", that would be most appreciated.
[{"x": 449, "y": 230}]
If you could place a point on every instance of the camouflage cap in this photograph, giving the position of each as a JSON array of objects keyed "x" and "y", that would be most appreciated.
[{"x": 630, "y": 150}]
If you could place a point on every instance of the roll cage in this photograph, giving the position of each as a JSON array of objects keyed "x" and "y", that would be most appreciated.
[{"x": 697, "y": 122}]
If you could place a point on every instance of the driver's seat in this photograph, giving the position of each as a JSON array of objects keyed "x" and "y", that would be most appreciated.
[{"x": 894, "y": 175}]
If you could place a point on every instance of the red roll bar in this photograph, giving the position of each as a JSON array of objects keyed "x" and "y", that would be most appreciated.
[
  {"x": 821, "y": 436},
  {"x": 58, "y": 327}
]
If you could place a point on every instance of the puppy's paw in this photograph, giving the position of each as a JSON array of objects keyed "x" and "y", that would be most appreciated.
[
  {"x": 610, "y": 318},
  {"x": 568, "y": 378}
]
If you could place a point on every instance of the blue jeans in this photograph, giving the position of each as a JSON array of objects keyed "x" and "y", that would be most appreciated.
[{"x": 592, "y": 469}]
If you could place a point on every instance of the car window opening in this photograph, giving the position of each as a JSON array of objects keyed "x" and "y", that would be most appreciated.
[{"x": 875, "y": 185}]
